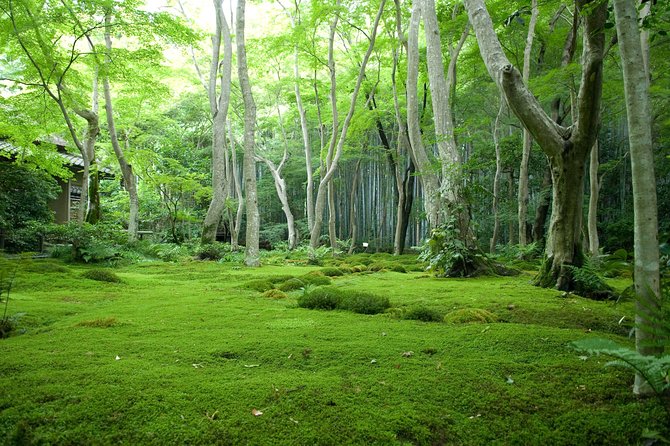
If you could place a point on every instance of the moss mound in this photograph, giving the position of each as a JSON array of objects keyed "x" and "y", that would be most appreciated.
[
  {"x": 316, "y": 278},
  {"x": 423, "y": 314},
  {"x": 469, "y": 315},
  {"x": 362, "y": 302},
  {"x": 291, "y": 285},
  {"x": 331, "y": 271},
  {"x": 324, "y": 298},
  {"x": 102, "y": 275},
  {"x": 275, "y": 294},
  {"x": 260, "y": 285}
]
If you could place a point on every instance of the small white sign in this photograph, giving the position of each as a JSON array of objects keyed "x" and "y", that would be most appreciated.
[{"x": 365, "y": 244}]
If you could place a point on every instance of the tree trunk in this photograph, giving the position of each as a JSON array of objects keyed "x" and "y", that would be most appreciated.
[
  {"x": 282, "y": 193},
  {"x": 252, "y": 255},
  {"x": 353, "y": 214},
  {"x": 542, "y": 211},
  {"x": 219, "y": 111},
  {"x": 236, "y": 222},
  {"x": 527, "y": 140},
  {"x": 566, "y": 148},
  {"x": 332, "y": 216},
  {"x": 496, "y": 180},
  {"x": 638, "y": 108},
  {"x": 333, "y": 159},
  {"x": 594, "y": 191},
  {"x": 126, "y": 169},
  {"x": 428, "y": 177}
]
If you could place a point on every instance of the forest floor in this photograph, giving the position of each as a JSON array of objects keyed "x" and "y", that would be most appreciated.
[{"x": 188, "y": 353}]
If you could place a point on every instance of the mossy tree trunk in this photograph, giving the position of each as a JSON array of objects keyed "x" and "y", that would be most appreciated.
[{"x": 566, "y": 147}]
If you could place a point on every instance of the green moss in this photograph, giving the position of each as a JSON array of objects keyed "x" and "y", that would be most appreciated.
[
  {"x": 322, "y": 298},
  {"x": 275, "y": 294},
  {"x": 101, "y": 275},
  {"x": 331, "y": 271},
  {"x": 362, "y": 302},
  {"x": 467, "y": 315},
  {"x": 423, "y": 314},
  {"x": 316, "y": 278},
  {"x": 291, "y": 284},
  {"x": 106, "y": 322},
  {"x": 260, "y": 285}
]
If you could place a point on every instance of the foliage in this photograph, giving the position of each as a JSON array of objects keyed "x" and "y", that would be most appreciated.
[
  {"x": 423, "y": 314},
  {"x": 7, "y": 276},
  {"x": 101, "y": 275},
  {"x": 468, "y": 315},
  {"x": 587, "y": 283},
  {"x": 89, "y": 243},
  {"x": 170, "y": 252},
  {"x": 212, "y": 251},
  {"x": 612, "y": 265},
  {"x": 24, "y": 197}
]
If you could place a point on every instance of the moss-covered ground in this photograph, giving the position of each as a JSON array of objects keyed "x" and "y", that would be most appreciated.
[{"x": 187, "y": 353}]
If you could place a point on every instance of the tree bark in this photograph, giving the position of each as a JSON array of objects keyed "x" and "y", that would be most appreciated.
[
  {"x": 566, "y": 148},
  {"x": 496, "y": 179},
  {"x": 252, "y": 254},
  {"x": 129, "y": 181},
  {"x": 218, "y": 104},
  {"x": 353, "y": 214},
  {"x": 527, "y": 140},
  {"x": 638, "y": 108},
  {"x": 333, "y": 159},
  {"x": 594, "y": 191}
]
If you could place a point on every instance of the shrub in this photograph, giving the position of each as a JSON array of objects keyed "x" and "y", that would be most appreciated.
[
  {"x": 102, "y": 275},
  {"x": 331, "y": 271},
  {"x": 423, "y": 314},
  {"x": 275, "y": 294},
  {"x": 316, "y": 278},
  {"x": 260, "y": 285},
  {"x": 291, "y": 284},
  {"x": 466, "y": 315},
  {"x": 325, "y": 298},
  {"x": 212, "y": 251},
  {"x": 89, "y": 243},
  {"x": 362, "y": 302}
]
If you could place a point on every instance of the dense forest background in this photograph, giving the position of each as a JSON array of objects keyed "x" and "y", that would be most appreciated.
[{"x": 163, "y": 83}]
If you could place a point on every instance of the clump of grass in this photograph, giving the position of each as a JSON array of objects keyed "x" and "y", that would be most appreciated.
[
  {"x": 260, "y": 285},
  {"x": 379, "y": 266},
  {"x": 316, "y": 278},
  {"x": 275, "y": 294},
  {"x": 346, "y": 269},
  {"x": 106, "y": 322},
  {"x": 323, "y": 298},
  {"x": 102, "y": 275},
  {"x": 423, "y": 314},
  {"x": 279, "y": 278},
  {"x": 362, "y": 302},
  {"x": 291, "y": 285},
  {"x": 331, "y": 271},
  {"x": 467, "y": 315},
  {"x": 359, "y": 268}
]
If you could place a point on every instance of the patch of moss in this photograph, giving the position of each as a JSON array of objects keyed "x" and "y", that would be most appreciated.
[
  {"x": 423, "y": 314},
  {"x": 279, "y": 278},
  {"x": 468, "y": 315},
  {"x": 275, "y": 294},
  {"x": 362, "y": 302},
  {"x": 322, "y": 298},
  {"x": 101, "y": 275},
  {"x": 316, "y": 278},
  {"x": 331, "y": 271},
  {"x": 291, "y": 285},
  {"x": 260, "y": 285},
  {"x": 379, "y": 266},
  {"x": 398, "y": 268},
  {"x": 106, "y": 322}
]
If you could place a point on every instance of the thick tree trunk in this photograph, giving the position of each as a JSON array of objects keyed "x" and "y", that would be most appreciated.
[
  {"x": 527, "y": 140},
  {"x": 126, "y": 169},
  {"x": 636, "y": 87},
  {"x": 219, "y": 110},
  {"x": 252, "y": 255},
  {"x": 566, "y": 148},
  {"x": 542, "y": 211}
]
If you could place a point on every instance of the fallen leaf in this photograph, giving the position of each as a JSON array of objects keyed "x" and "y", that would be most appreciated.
[
  {"x": 583, "y": 358},
  {"x": 197, "y": 366},
  {"x": 117, "y": 357},
  {"x": 374, "y": 361},
  {"x": 256, "y": 412},
  {"x": 293, "y": 420},
  {"x": 509, "y": 380},
  {"x": 251, "y": 365},
  {"x": 407, "y": 354}
]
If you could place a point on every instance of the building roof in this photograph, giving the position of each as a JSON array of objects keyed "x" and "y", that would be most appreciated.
[{"x": 70, "y": 159}]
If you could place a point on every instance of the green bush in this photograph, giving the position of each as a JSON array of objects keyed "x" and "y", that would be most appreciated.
[
  {"x": 260, "y": 285},
  {"x": 88, "y": 243},
  {"x": 316, "y": 278},
  {"x": 212, "y": 251},
  {"x": 362, "y": 302},
  {"x": 331, "y": 271},
  {"x": 275, "y": 294},
  {"x": 102, "y": 275},
  {"x": 324, "y": 298},
  {"x": 467, "y": 315},
  {"x": 291, "y": 285},
  {"x": 423, "y": 314}
]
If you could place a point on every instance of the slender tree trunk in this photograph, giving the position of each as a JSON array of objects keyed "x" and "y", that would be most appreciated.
[
  {"x": 566, "y": 148},
  {"x": 527, "y": 140},
  {"x": 236, "y": 223},
  {"x": 252, "y": 255},
  {"x": 636, "y": 87},
  {"x": 594, "y": 191},
  {"x": 129, "y": 181},
  {"x": 332, "y": 215},
  {"x": 332, "y": 162},
  {"x": 353, "y": 214},
  {"x": 496, "y": 179},
  {"x": 219, "y": 110},
  {"x": 428, "y": 177}
]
